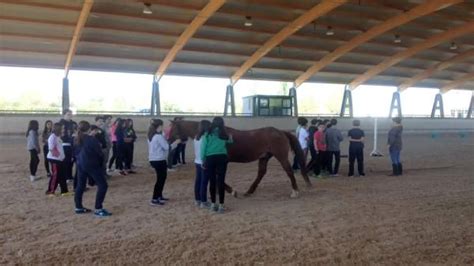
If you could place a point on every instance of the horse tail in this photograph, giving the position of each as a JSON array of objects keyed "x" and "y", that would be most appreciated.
[{"x": 295, "y": 146}]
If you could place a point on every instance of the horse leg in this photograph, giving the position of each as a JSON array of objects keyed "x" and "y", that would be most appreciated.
[
  {"x": 262, "y": 170},
  {"x": 287, "y": 167}
]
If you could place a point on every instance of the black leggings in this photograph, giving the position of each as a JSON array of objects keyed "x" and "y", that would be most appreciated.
[
  {"x": 45, "y": 158},
  {"x": 161, "y": 171},
  {"x": 337, "y": 156},
  {"x": 34, "y": 161},
  {"x": 216, "y": 168},
  {"x": 114, "y": 155}
]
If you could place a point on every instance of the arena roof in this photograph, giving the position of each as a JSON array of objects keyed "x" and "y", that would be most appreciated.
[{"x": 380, "y": 42}]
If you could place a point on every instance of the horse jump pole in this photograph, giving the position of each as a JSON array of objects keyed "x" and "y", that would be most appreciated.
[{"x": 375, "y": 152}]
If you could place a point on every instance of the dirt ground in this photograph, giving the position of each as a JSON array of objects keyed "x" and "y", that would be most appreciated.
[{"x": 424, "y": 217}]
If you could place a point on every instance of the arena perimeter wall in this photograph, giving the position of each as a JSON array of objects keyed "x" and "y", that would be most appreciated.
[{"x": 17, "y": 124}]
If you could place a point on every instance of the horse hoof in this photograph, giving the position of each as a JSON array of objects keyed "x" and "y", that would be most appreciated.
[
  {"x": 234, "y": 194},
  {"x": 294, "y": 194}
]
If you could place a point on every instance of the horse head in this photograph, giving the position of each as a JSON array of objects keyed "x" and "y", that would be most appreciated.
[{"x": 182, "y": 130}]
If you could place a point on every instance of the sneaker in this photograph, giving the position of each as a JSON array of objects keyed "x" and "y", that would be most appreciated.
[
  {"x": 50, "y": 194},
  {"x": 123, "y": 173},
  {"x": 213, "y": 207},
  {"x": 350, "y": 175},
  {"x": 334, "y": 175},
  {"x": 156, "y": 202},
  {"x": 69, "y": 181},
  {"x": 131, "y": 172},
  {"x": 102, "y": 213},
  {"x": 32, "y": 178},
  {"x": 164, "y": 199},
  {"x": 110, "y": 170},
  {"x": 221, "y": 208},
  {"x": 362, "y": 175},
  {"x": 205, "y": 205},
  {"x": 82, "y": 210},
  {"x": 171, "y": 170},
  {"x": 66, "y": 194},
  {"x": 197, "y": 203}
]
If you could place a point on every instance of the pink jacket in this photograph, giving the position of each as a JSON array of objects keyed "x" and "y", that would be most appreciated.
[{"x": 112, "y": 133}]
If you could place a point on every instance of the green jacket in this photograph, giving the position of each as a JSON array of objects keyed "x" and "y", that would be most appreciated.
[{"x": 211, "y": 144}]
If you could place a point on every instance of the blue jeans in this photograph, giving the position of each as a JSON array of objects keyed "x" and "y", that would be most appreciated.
[
  {"x": 395, "y": 156},
  {"x": 98, "y": 176},
  {"x": 200, "y": 184}
]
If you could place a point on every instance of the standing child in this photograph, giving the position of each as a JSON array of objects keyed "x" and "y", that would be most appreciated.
[
  {"x": 356, "y": 148},
  {"x": 47, "y": 131},
  {"x": 113, "y": 138},
  {"x": 120, "y": 135},
  {"x": 56, "y": 158},
  {"x": 303, "y": 138},
  {"x": 300, "y": 121},
  {"x": 394, "y": 144},
  {"x": 89, "y": 164},
  {"x": 69, "y": 127},
  {"x": 214, "y": 158},
  {"x": 33, "y": 147},
  {"x": 108, "y": 141},
  {"x": 333, "y": 140},
  {"x": 130, "y": 138},
  {"x": 311, "y": 130},
  {"x": 201, "y": 182},
  {"x": 158, "y": 149},
  {"x": 321, "y": 149}
]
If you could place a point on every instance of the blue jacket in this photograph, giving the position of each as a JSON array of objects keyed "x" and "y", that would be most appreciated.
[{"x": 90, "y": 156}]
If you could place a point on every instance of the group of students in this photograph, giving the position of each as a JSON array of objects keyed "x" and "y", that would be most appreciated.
[
  {"x": 322, "y": 140},
  {"x": 66, "y": 143},
  {"x": 210, "y": 147}
]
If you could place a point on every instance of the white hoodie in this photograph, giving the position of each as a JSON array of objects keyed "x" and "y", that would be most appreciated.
[{"x": 55, "y": 144}]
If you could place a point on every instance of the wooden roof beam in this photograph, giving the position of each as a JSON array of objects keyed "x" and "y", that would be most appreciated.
[
  {"x": 216, "y": 39},
  {"x": 457, "y": 82},
  {"x": 86, "y": 9},
  {"x": 312, "y": 14},
  {"x": 197, "y": 22},
  {"x": 427, "y": 44},
  {"x": 438, "y": 67},
  {"x": 396, "y": 21}
]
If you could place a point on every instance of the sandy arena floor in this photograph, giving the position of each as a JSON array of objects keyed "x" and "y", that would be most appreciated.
[{"x": 424, "y": 217}]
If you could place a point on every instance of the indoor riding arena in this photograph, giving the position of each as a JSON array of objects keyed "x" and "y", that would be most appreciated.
[{"x": 414, "y": 51}]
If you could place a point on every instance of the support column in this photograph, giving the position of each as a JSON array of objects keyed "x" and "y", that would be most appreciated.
[
  {"x": 294, "y": 100},
  {"x": 229, "y": 101},
  {"x": 346, "y": 103},
  {"x": 396, "y": 105},
  {"x": 471, "y": 106},
  {"x": 65, "y": 95},
  {"x": 438, "y": 106},
  {"x": 155, "y": 108}
]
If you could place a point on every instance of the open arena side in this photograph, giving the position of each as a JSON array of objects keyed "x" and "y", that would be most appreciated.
[{"x": 423, "y": 217}]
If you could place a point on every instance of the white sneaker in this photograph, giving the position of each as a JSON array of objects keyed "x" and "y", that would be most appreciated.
[
  {"x": 171, "y": 170},
  {"x": 33, "y": 178}
]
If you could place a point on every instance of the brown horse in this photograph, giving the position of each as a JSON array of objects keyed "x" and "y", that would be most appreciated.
[{"x": 251, "y": 145}]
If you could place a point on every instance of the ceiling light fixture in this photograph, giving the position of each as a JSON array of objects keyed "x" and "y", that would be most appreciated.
[
  {"x": 248, "y": 21},
  {"x": 397, "y": 39},
  {"x": 329, "y": 32},
  {"x": 453, "y": 46},
  {"x": 147, "y": 9}
]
